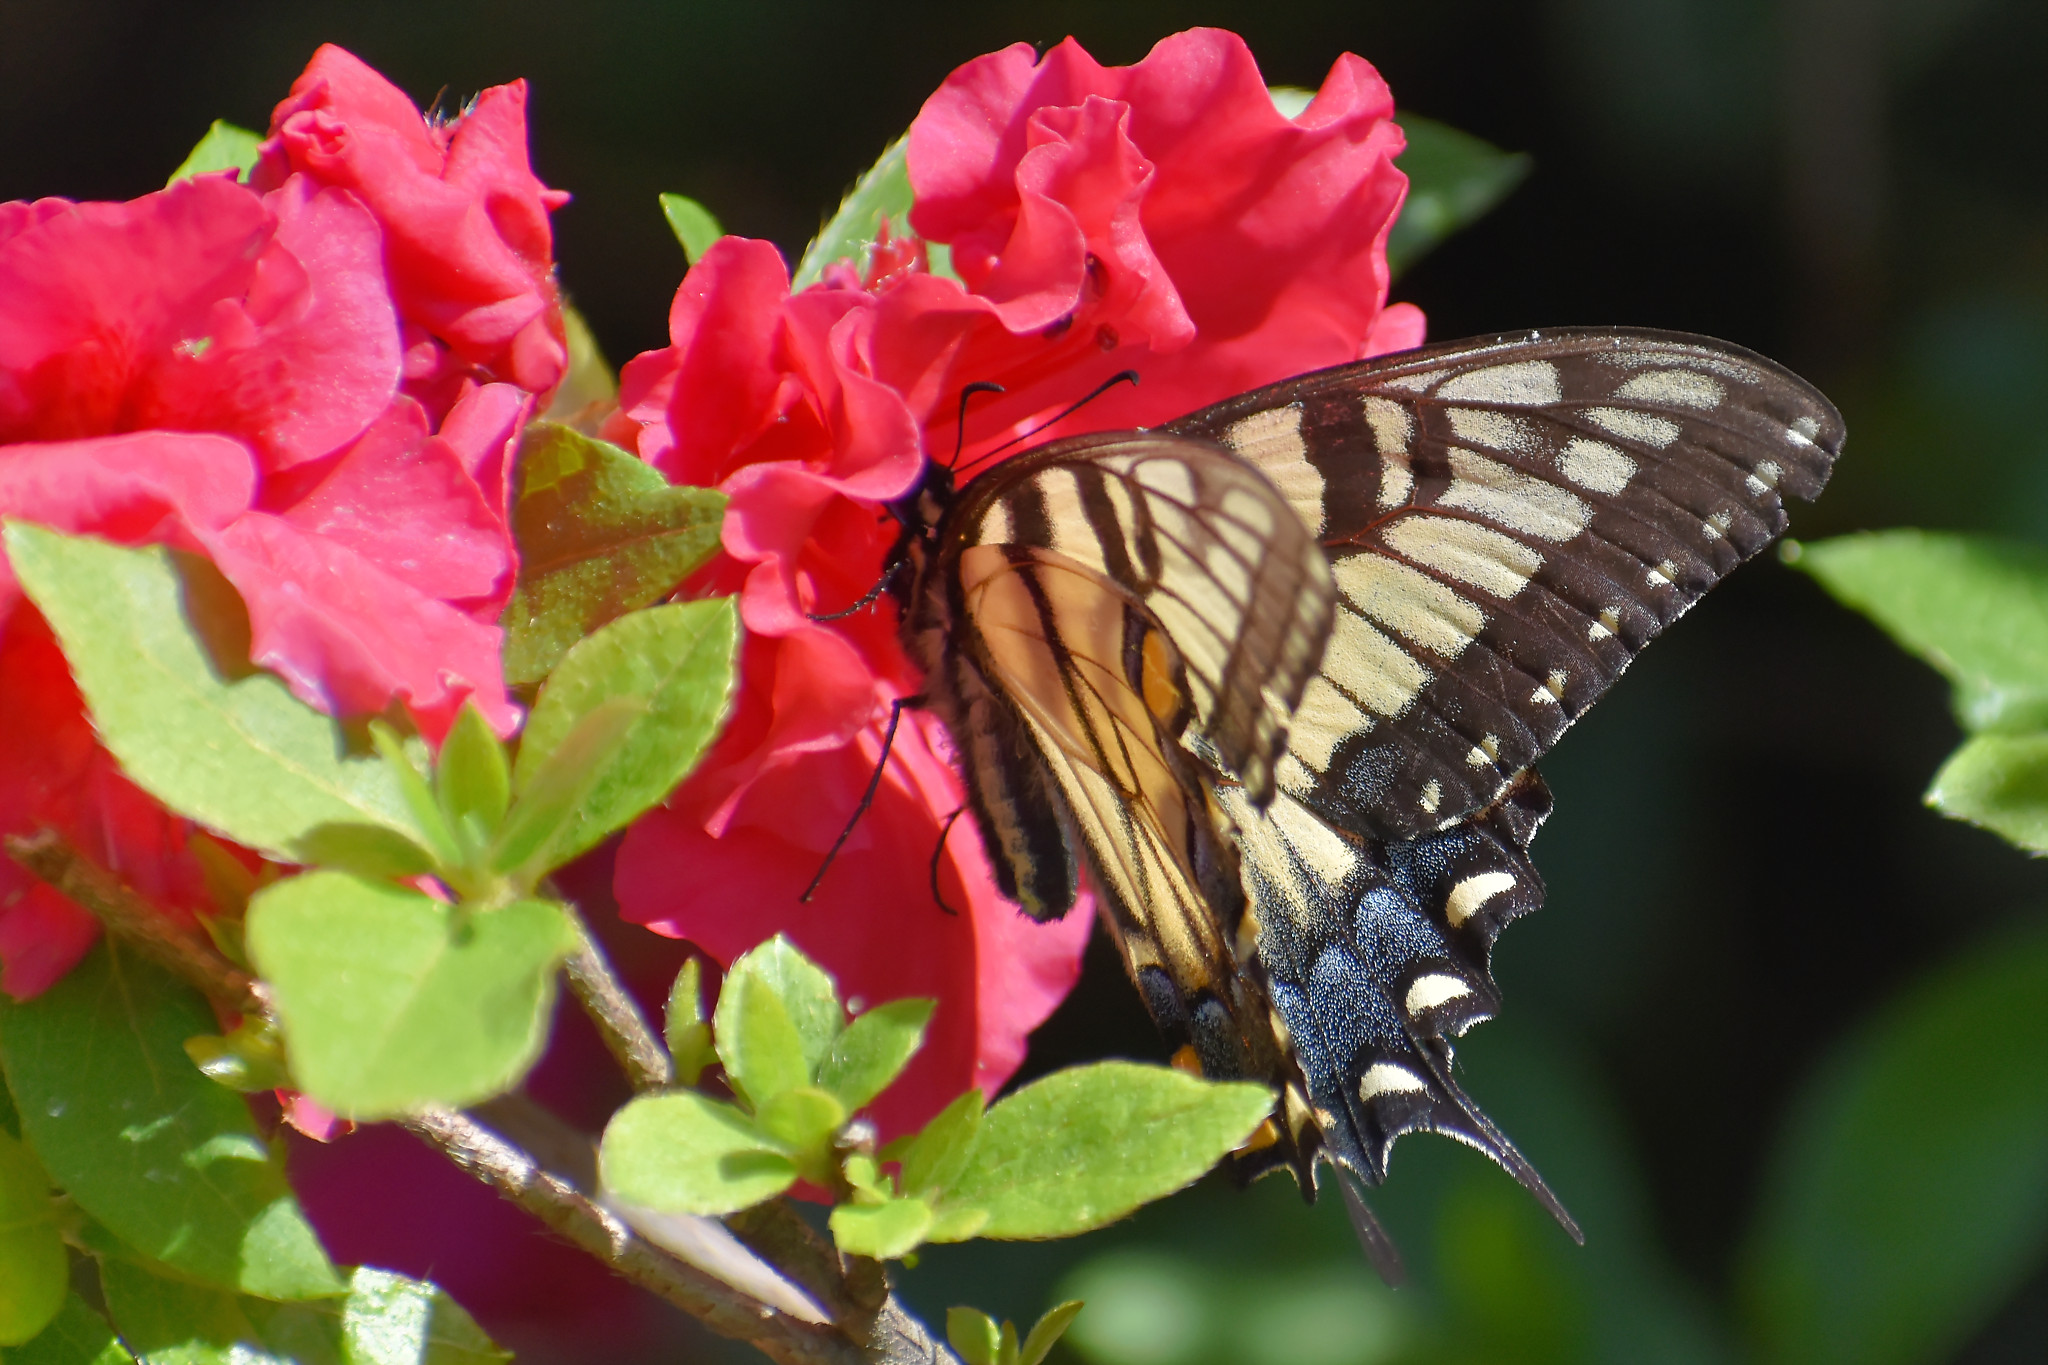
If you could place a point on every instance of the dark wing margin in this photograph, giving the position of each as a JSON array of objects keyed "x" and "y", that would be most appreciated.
[
  {"x": 1205, "y": 544},
  {"x": 1509, "y": 521}
]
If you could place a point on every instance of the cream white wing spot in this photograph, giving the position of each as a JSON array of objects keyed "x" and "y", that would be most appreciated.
[
  {"x": 1413, "y": 383},
  {"x": 1169, "y": 478},
  {"x": 1073, "y": 535},
  {"x": 1524, "y": 383},
  {"x": 1385, "y": 1078},
  {"x": 1320, "y": 848},
  {"x": 1604, "y": 625},
  {"x": 1516, "y": 500},
  {"x": 1392, "y": 427},
  {"x": 1472, "y": 893},
  {"x": 1460, "y": 549},
  {"x": 1662, "y": 576},
  {"x": 1596, "y": 465},
  {"x": 1497, "y": 430},
  {"x": 996, "y": 526},
  {"x": 1802, "y": 431},
  {"x": 1324, "y": 719},
  {"x": 1432, "y": 796},
  {"x": 1763, "y": 478},
  {"x": 1716, "y": 526},
  {"x": 1410, "y": 603},
  {"x": 1631, "y": 425},
  {"x": 1551, "y": 693},
  {"x": 1437, "y": 988},
  {"x": 1272, "y": 440},
  {"x": 1383, "y": 676},
  {"x": 1679, "y": 388}
]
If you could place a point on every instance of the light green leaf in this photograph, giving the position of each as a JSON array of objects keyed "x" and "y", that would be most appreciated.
[
  {"x": 974, "y": 1334},
  {"x": 957, "y": 1225},
  {"x": 472, "y": 780},
  {"x": 35, "y": 1270},
  {"x": 383, "y": 1319},
  {"x": 1974, "y": 607},
  {"x": 2001, "y": 783},
  {"x": 1909, "y": 1194},
  {"x": 125, "y": 1124},
  {"x": 936, "y": 1157},
  {"x": 545, "y": 822},
  {"x": 392, "y": 1000},
  {"x": 681, "y": 661},
  {"x": 883, "y": 1231},
  {"x": 600, "y": 534},
  {"x": 802, "y": 1120},
  {"x": 687, "y": 1031},
  {"x": 881, "y": 196},
  {"x": 405, "y": 758},
  {"x": 244, "y": 757},
  {"x": 692, "y": 223},
  {"x": 371, "y": 851},
  {"x": 1085, "y": 1146},
  {"x": 589, "y": 387},
  {"x": 249, "y": 1059},
  {"x": 1454, "y": 179},
  {"x": 756, "y": 1039},
  {"x": 807, "y": 994},
  {"x": 683, "y": 1153},
  {"x": 225, "y": 147},
  {"x": 76, "y": 1336},
  {"x": 1048, "y": 1330},
  {"x": 874, "y": 1049}
]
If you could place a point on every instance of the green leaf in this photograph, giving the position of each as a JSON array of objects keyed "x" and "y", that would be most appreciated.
[
  {"x": 692, "y": 224},
  {"x": 35, "y": 1270},
  {"x": 243, "y": 757},
  {"x": 472, "y": 779},
  {"x": 681, "y": 661},
  {"x": 883, "y": 1231},
  {"x": 874, "y": 1049},
  {"x": 2001, "y": 783},
  {"x": 778, "y": 1015},
  {"x": 76, "y": 1336},
  {"x": 392, "y": 1000},
  {"x": 1909, "y": 1194},
  {"x": 939, "y": 1153},
  {"x": 225, "y": 147},
  {"x": 1974, "y": 607},
  {"x": 589, "y": 387},
  {"x": 881, "y": 196},
  {"x": 683, "y": 1153},
  {"x": 689, "y": 1035},
  {"x": 802, "y": 1120},
  {"x": 249, "y": 1059},
  {"x": 371, "y": 851},
  {"x": 1085, "y": 1146},
  {"x": 384, "y": 1319},
  {"x": 170, "y": 1162},
  {"x": 1454, "y": 179},
  {"x": 397, "y": 755},
  {"x": 974, "y": 1334},
  {"x": 1048, "y": 1330},
  {"x": 548, "y": 818},
  {"x": 600, "y": 534}
]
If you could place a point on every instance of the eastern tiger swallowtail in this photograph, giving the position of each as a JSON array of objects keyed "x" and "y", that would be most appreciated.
[{"x": 1275, "y": 674}]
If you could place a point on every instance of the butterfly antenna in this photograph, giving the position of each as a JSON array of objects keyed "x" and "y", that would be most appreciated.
[
  {"x": 960, "y": 431},
  {"x": 867, "y": 599},
  {"x": 1122, "y": 377},
  {"x": 939, "y": 853},
  {"x": 867, "y": 798},
  {"x": 1379, "y": 1248}
]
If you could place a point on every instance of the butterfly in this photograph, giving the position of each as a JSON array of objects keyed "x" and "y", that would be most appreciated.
[{"x": 1274, "y": 675}]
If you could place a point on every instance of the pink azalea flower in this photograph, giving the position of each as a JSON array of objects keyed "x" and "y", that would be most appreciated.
[
  {"x": 1162, "y": 217},
  {"x": 465, "y": 221},
  {"x": 219, "y": 369}
]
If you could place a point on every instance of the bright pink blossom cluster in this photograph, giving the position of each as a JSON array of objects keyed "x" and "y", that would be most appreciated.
[
  {"x": 316, "y": 379},
  {"x": 1163, "y": 217}
]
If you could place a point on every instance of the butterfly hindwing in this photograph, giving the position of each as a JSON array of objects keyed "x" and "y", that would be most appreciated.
[{"x": 1509, "y": 521}]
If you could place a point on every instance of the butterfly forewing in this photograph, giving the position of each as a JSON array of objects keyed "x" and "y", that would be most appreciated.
[{"x": 1508, "y": 522}]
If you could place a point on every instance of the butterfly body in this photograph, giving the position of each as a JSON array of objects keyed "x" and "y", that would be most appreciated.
[{"x": 1275, "y": 674}]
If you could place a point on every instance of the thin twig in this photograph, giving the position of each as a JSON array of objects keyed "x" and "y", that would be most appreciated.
[
  {"x": 135, "y": 921},
  {"x": 558, "y": 1204},
  {"x": 854, "y": 1288},
  {"x": 611, "y": 1007}
]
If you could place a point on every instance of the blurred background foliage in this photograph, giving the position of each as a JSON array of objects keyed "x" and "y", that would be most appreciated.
[{"x": 1780, "y": 1037}]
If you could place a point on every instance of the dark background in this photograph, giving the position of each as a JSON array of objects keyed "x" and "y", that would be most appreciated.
[{"x": 1740, "y": 866}]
